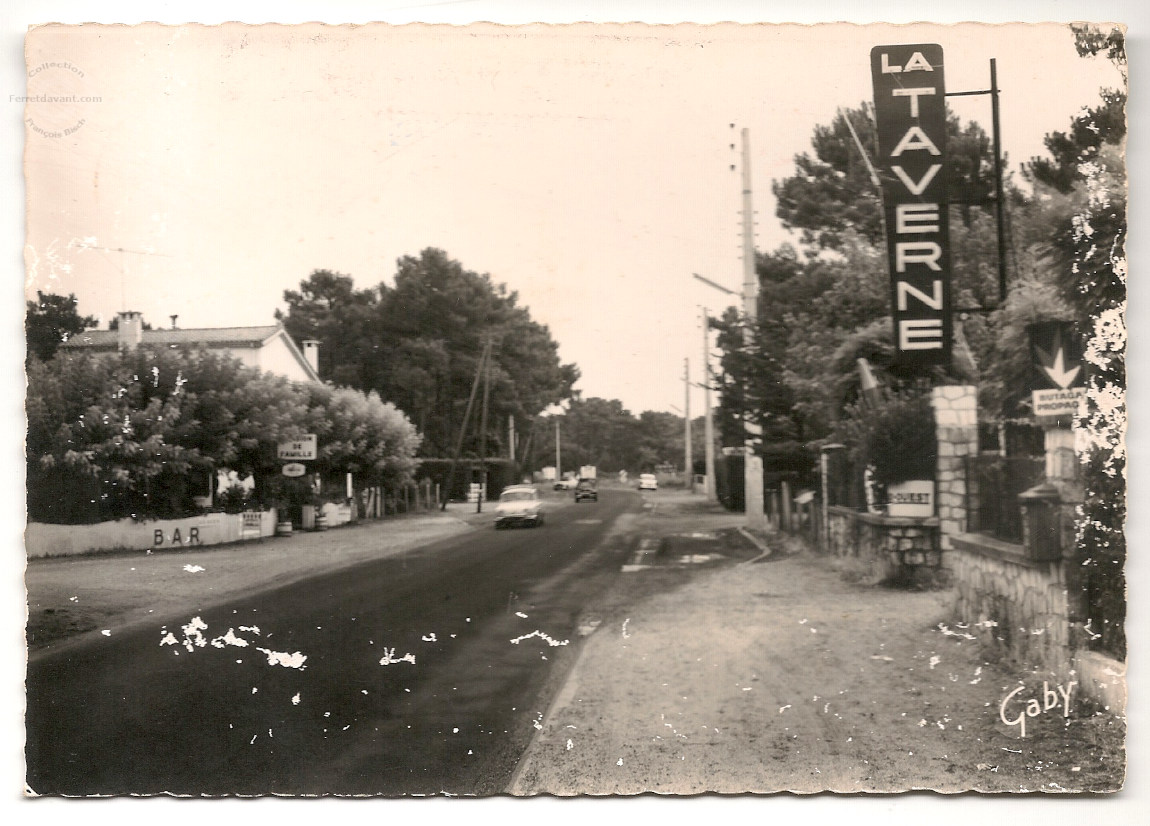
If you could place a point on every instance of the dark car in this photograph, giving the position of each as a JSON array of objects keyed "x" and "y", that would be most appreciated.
[{"x": 586, "y": 489}]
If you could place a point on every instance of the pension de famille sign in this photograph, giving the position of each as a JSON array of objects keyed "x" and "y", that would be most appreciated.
[
  {"x": 910, "y": 116},
  {"x": 298, "y": 450}
]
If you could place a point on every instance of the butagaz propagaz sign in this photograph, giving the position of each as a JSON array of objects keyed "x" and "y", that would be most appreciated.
[
  {"x": 910, "y": 116},
  {"x": 1058, "y": 374}
]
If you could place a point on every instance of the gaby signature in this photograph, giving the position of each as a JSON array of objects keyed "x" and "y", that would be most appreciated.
[{"x": 1032, "y": 708}]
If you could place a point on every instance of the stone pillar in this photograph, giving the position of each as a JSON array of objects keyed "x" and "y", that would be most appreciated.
[
  {"x": 956, "y": 427},
  {"x": 1063, "y": 472}
]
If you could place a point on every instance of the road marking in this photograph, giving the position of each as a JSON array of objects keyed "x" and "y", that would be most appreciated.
[
  {"x": 588, "y": 521},
  {"x": 647, "y": 546}
]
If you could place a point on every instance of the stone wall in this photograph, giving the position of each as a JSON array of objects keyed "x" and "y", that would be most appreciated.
[
  {"x": 956, "y": 423},
  {"x": 1016, "y": 606},
  {"x": 884, "y": 546}
]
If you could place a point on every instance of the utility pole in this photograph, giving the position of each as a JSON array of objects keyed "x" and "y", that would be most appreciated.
[
  {"x": 463, "y": 427},
  {"x": 752, "y": 463},
  {"x": 483, "y": 432},
  {"x": 687, "y": 462},
  {"x": 709, "y": 427},
  {"x": 511, "y": 437},
  {"x": 999, "y": 196},
  {"x": 1000, "y": 206},
  {"x": 558, "y": 453}
]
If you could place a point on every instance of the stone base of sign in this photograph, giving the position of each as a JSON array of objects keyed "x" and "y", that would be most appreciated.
[{"x": 885, "y": 548}]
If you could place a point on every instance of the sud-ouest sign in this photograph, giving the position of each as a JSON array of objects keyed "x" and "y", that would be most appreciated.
[{"x": 910, "y": 115}]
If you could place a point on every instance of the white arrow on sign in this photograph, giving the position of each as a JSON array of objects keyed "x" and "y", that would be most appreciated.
[{"x": 1055, "y": 368}]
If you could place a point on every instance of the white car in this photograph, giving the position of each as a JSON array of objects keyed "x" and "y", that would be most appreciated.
[
  {"x": 647, "y": 481},
  {"x": 519, "y": 505}
]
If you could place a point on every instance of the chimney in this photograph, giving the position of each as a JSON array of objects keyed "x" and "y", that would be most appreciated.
[
  {"x": 311, "y": 353},
  {"x": 131, "y": 329}
]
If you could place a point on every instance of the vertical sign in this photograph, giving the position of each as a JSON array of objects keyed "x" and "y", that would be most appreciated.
[
  {"x": 1058, "y": 376},
  {"x": 910, "y": 114}
]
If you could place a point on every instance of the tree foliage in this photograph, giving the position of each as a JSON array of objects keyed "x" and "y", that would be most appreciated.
[
  {"x": 603, "y": 433},
  {"x": 143, "y": 432},
  {"x": 827, "y": 304},
  {"x": 895, "y": 437},
  {"x": 832, "y": 197},
  {"x": 50, "y": 321},
  {"x": 418, "y": 343},
  {"x": 1102, "y": 124},
  {"x": 359, "y": 433},
  {"x": 1092, "y": 253}
]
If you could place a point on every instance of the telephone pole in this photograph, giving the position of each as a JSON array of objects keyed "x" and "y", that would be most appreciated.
[
  {"x": 709, "y": 427},
  {"x": 463, "y": 427},
  {"x": 558, "y": 453},
  {"x": 687, "y": 461},
  {"x": 752, "y": 462},
  {"x": 483, "y": 431}
]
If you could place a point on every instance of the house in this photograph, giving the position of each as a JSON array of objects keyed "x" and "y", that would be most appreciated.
[{"x": 268, "y": 348}]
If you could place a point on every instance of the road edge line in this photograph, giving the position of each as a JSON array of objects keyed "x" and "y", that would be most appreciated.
[{"x": 765, "y": 550}]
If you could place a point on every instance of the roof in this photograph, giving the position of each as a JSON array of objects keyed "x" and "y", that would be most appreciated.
[{"x": 208, "y": 336}]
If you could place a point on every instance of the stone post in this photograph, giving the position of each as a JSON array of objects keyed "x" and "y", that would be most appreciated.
[
  {"x": 1063, "y": 472},
  {"x": 956, "y": 428}
]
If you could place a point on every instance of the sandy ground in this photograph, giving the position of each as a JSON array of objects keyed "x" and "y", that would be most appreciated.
[{"x": 779, "y": 674}]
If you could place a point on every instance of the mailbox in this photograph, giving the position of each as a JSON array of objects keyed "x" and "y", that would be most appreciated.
[{"x": 1042, "y": 522}]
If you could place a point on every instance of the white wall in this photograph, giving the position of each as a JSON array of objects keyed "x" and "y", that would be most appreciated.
[
  {"x": 275, "y": 357},
  {"x": 42, "y": 540}
]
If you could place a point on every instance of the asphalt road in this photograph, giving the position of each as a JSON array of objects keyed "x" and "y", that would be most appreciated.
[{"x": 422, "y": 673}]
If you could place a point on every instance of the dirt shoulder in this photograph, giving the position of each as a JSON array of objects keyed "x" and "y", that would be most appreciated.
[
  {"x": 781, "y": 675},
  {"x": 73, "y": 597}
]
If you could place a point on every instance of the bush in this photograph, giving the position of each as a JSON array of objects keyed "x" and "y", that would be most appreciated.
[
  {"x": 235, "y": 499},
  {"x": 895, "y": 438}
]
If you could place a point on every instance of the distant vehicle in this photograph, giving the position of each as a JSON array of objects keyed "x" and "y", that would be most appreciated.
[
  {"x": 647, "y": 481},
  {"x": 519, "y": 505},
  {"x": 586, "y": 489},
  {"x": 565, "y": 484}
]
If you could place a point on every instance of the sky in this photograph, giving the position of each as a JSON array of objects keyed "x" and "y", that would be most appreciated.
[
  {"x": 587, "y": 168},
  {"x": 594, "y": 196}
]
